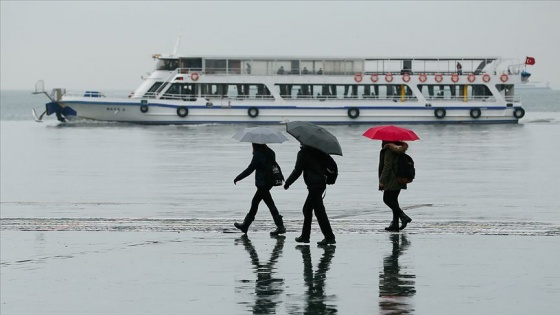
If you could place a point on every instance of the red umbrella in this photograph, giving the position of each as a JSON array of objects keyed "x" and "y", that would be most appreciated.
[{"x": 390, "y": 133}]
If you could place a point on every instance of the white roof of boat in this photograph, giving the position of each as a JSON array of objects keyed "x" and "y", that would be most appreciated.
[{"x": 335, "y": 58}]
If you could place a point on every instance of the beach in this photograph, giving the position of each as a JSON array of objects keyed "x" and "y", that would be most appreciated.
[{"x": 108, "y": 218}]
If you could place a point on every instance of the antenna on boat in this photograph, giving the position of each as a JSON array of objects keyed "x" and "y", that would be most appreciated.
[{"x": 177, "y": 42}]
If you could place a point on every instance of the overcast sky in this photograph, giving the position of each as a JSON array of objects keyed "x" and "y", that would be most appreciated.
[{"x": 108, "y": 45}]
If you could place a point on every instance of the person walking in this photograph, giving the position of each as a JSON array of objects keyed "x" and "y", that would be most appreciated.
[
  {"x": 263, "y": 156},
  {"x": 388, "y": 182},
  {"x": 310, "y": 162}
]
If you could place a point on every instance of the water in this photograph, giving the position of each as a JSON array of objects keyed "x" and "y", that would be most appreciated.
[{"x": 108, "y": 217}]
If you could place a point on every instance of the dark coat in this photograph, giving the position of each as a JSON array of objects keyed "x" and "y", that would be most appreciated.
[
  {"x": 261, "y": 159},
  {"x": 388, "y": 165},
  {"x": 310, "y": 162}
]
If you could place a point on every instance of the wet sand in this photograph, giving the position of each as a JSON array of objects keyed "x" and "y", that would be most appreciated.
[{"x": 59, "y": 268}]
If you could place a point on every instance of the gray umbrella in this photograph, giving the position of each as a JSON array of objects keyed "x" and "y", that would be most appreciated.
[
  {"x": 260, "y": 135},
  {"x": 314, "y": 136}
]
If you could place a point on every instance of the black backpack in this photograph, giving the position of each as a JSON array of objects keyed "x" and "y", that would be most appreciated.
[
  {"x": 405, "y": 169},
  {"x": 274, "y": 175},
  {"x": 331, "y": 170}
]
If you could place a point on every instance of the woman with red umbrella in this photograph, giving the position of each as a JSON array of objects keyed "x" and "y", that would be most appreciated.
[{"x": 391, "y": 146}]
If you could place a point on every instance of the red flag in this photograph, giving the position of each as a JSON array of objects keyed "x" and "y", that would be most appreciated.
[{"x": 530, "y": 61}]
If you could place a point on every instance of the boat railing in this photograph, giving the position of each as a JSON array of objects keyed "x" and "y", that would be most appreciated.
[
  {"x": 300, "y": 72},
  {"x": 513, "y": 99},
  {"x": 458, "y": 98}
]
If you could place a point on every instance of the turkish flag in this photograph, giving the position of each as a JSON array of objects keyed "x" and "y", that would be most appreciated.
[{"x": 530, "y": 61}]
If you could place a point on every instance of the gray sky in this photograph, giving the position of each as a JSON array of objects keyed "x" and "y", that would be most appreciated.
[{"x": 108, "y": 45}]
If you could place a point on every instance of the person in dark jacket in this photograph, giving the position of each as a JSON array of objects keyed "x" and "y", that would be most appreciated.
[
  {"x": 388, "y": 182},
  {"x": 262, "y": 157},
  {"x": 310, "y": 162}
]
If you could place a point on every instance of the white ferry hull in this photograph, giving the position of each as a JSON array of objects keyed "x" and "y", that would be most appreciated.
[{"x": 126, "y": 110}]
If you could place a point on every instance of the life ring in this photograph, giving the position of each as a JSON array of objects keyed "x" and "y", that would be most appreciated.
[
  {"x": 374, "y": 78},
  {"x": 475, "y": 113},
  {"x": 439, "y": 77},
  {"x": 195, "y": 76},
  {"x": 353, "y": 112},
  {"x": 406, "y": 77},
  {"x": 358, "y": 77},
  {"x": 519, "y": 113},
  {"x": 389, "y": 77},
  {"x": 471, "y": 77},
  {"x": 486, "y": 78},
  {"x": 182, "y": 111},
  {"x": 253, "y": 112},
  {"x": 423, "y": 77},
  {"x": 440, "y": 113},
  {"x": 144, "y": 108},
  {"x": 504, "y": 77},
  {"x": 455, "y": 77}
]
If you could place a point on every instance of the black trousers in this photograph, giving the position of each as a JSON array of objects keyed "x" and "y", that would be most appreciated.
[
  {"x": 391, "y": 199},
  {"x": 314, "y": 201},
  {"x": 263, "y": 193}
]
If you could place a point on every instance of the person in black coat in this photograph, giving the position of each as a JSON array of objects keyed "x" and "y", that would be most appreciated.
[
  {"x": 263, "y": 156},
  {"x": 310, "y": 162}
]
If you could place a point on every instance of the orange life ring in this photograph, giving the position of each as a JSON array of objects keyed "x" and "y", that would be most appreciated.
[
  {"x": 423, "y": 77},
  {"x": 374, "y": 78},
  {"x": 439, "y": 77},
  {"x": 504, "y": 77},
  {"x": 406, "y": 77},
  {"x": 358, "y": 77},
  {"x": 471, "y": 77},
  {"x": 486, "y": 78},
  {"x": 455, "y": 77},
  {"x": 389, "y": 77},
  {"x": 195, "y": 76}
]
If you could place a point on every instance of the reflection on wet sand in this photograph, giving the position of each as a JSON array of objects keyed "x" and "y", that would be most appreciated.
[
  {"x": 396, "y": 288},
  {"x": 267, "y": 288},
  {"x": 316, "y": 299}
]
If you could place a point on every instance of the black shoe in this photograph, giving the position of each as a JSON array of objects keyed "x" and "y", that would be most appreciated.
[
  {"x": 301, "y": 239},
  {"x": 405, "y": 220},
  {"x": 394, "y": 227},
  {"x": 327, "y": 241},
  {"x": 240, "y": 226},
  {"x": 279, "y": 230}
]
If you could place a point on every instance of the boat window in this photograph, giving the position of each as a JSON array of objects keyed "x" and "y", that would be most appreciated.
[
  {"x": 346, "y": 91},
  {"x": 237, "y": 91},
  {"x": 215, "y": 66},
  {"x": 234, "y": 67},
  {"x": 260, "y": 67},
  {"x": 191, "y": 64},
  {"x": 449, "y": 92},
  {"x": 181, "y": 91},
  {"x": 154, "y": 90},
  {"x": 343, "y": 66},
  {"x": 167, "y": 64}
]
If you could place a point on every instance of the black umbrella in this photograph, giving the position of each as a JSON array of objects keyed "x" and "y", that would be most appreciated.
[{"x": 314, "y": 136}]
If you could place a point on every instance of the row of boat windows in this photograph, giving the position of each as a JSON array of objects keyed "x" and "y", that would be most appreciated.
[{"x": 309, "y": 91}]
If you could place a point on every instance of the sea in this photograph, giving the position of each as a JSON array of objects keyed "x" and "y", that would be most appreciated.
[{"x": 113, "y": 218}]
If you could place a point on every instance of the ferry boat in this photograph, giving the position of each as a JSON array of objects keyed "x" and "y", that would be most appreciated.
[{"x": 276, "y": 90}]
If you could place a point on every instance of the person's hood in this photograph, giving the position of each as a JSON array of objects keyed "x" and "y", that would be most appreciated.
[{"x": 400, "y": 147}]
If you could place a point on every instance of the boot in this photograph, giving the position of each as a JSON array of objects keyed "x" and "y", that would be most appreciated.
[
  {"x": 394, "y": 227},
  {"x": 327, "y": 241},
  {"x": 404, "y": 221},
  {"x": 246, "y": 223},
  {"x": 302, "y": 239},
  {"x": 280, "y": 229}
]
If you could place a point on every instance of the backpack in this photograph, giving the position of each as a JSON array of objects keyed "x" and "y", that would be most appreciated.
[
  {"x": 274, "y": 175},
  {"x": 331, "y": 170},
  {"x": 405, "y": 169}
]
